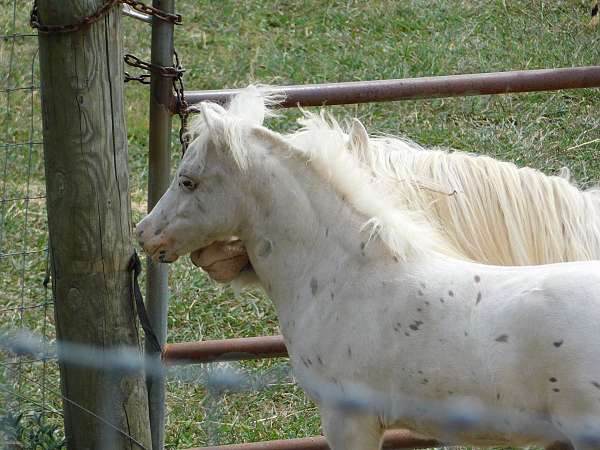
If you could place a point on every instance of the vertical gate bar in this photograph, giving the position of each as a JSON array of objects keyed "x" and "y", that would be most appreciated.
[{"x": 161, "y": 98}]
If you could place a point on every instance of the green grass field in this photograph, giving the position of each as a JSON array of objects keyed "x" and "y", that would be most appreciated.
[{"x": 234, "y": 43}]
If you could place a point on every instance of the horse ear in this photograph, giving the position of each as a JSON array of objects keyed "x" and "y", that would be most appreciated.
[
  {"x": 213, "y": 115},
  {"x": 359, "y": 142},
  {"x": 248, "y": 105}
]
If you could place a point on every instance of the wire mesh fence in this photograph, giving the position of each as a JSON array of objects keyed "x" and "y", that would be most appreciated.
[{"x": 25, "y": 299}]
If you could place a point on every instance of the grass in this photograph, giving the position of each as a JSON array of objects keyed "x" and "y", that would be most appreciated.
[{"x": 233, "y": 43}]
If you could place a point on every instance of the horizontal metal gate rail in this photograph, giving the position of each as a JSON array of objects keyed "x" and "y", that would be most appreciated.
[
  {"x": 391, "y": 440},
  {"x": 424, "y": 87},
  {"x": 225, "y": 350}
]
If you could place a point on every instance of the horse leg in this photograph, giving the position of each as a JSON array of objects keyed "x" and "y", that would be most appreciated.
[{"x": 348, "y": 431}]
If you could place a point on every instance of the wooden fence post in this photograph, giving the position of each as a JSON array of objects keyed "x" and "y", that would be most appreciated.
[{"x": 89, "y": 220}]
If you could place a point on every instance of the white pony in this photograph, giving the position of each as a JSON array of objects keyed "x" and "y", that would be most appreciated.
[
  {"x": 386, "y": 324},
  {"x": 488, "y": 211}
]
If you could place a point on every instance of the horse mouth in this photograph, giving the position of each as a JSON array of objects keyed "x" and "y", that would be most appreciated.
[
  {"x": 167, "y": 259},
  {"x": 162, "y": 256}
]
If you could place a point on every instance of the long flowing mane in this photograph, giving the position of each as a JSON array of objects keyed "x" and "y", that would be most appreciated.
[
  {"x": 456, "y": 203},
  {"x": 488, "y": 210}
]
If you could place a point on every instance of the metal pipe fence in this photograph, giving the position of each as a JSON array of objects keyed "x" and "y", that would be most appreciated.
[{"x": 517, "y": 81}]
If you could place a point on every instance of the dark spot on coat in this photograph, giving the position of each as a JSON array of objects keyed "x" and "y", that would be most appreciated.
[
  {"x": 326, "y": 231},
  {"x": 451, "y": 294},
  {"x": 498, "y": 396},
  {"x": 425, "y": 381},
  {"x": 420, "y": 292},
  {"x": 441, "y": 300},
  {"x": 349, "y": 352},
  {"x": 502, "y": 338},
  {"x": 478, "y": 298},
  {"x": 427, "y": 303},
  {"x": 396, "y": 259},
  {"x": 415, "y": 326},
  {"x": 558, "y": 343},
  {"x": 552, "y": 380},
  {"x": 420, "y": 372},
  {"x": 556, "y": 390},
  {"x": 419, "y": 309},
  {"x": 332, "y": 295},
  {"x": 406, "y": 333},
  {"x": 477, "y": 279},
  {"x": 314, "y": 285},
  {"x": 596, "y": 384},
  {"x": 319, "y": 360},
  {"x": 265, "y": 248},
  {"x": 466, "y": 333},
  {"x": 309, "y": 361},
  {"x": 362, "y": 245},
  {"x": 450, "y": 392}
]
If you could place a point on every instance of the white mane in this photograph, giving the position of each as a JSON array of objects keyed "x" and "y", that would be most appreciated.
[
  {"x": 488, "y": 210},
  {"x": 406, "y": 231},
  {"x": 458, "y": 204}
]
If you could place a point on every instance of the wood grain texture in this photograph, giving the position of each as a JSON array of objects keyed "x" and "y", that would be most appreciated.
[{"x": 89, "y": 221}]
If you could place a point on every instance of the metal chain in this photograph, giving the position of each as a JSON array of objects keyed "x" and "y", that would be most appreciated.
[
  {"x": 182, "y": 108},
  {"x": 175, "y": 72},
  {"x": 139, "y": 6},
  {"x": 34, "y": 19}
]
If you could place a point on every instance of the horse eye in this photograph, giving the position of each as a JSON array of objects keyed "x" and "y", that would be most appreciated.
[{"x": 188, "y": 184}]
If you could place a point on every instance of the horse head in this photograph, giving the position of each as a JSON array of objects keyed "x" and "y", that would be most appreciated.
[{"x": 203, "y": 203}]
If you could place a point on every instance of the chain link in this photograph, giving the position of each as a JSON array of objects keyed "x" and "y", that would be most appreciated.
[{"x": 34, "y": 19}]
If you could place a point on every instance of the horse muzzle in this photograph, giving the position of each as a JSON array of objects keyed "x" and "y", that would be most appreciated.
[{"x": 158, "y": 247}]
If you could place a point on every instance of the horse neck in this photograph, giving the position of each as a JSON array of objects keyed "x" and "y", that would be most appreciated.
[{"x": 298, "y": 225}]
